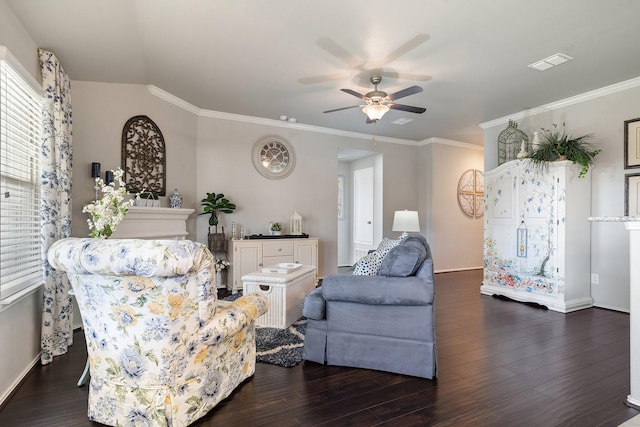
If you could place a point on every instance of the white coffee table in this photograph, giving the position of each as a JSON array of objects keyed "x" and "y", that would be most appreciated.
[{"x": 285, "y": 292}]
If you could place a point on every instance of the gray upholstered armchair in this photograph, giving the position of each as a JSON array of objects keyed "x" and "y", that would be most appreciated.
[{"x": 383, "y": 322}]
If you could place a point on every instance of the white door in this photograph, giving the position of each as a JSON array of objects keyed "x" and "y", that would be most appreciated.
[{"x": 363, "y": 212}]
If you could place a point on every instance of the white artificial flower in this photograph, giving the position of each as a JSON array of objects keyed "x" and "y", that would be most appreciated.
[
  {"x": 106, "y": 213},
  {"x": 222, "y": 264}
]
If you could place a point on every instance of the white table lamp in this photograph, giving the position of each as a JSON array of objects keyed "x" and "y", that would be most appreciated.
[{"x": 406, "y": 221}]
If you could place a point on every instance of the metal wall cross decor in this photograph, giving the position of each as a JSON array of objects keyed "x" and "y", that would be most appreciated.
[
  {"x": 471, "y": 193},
  {"x": 144, "y": 159}
]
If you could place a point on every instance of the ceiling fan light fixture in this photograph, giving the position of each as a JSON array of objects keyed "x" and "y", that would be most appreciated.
[
  {"x": 375, "y": 111},
  {"x": 377, "y": 102}
]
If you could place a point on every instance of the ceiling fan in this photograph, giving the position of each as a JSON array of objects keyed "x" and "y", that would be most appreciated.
[{"x": 377, "y": 102}]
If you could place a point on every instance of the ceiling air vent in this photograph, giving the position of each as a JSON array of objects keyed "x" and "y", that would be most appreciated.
[
  {"x": 552, "y": 61},
  {"x": 402, "y": 121}
]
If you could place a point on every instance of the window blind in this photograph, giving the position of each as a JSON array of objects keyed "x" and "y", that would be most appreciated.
[{"x": 20, "y": 130}]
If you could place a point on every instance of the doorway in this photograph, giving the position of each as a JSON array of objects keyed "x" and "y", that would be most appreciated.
[
  {"x": 363, "y": 213},
  {"x": 360, "y": 204}
]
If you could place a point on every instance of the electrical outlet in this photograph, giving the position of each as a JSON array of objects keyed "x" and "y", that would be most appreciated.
[{"x": 595, "y": 279}]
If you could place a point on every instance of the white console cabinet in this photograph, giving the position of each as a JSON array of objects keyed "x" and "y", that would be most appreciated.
[
  {"x": 249, "y": 256},
  {"x": 536, "y": 235}
]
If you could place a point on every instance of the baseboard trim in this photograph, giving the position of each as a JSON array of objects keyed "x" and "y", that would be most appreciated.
[
  {"x": 551, "y": 303},
  {"x": 612, "y": 308},
  {"x": 7, "y": 394}
]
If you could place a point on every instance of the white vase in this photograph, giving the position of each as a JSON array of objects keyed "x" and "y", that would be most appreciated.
[
  {"x": 523, "y": 150},
  {"x": 535, "y": 142},
  {"x": 221, "y": 278},
  {"x": 175, "y": 199}
]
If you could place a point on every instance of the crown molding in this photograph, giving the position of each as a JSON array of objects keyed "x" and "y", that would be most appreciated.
[
  {"x": 178, "y": 102},
  {"x": 172, "y": 99},
  {"x": 597, "y": 93},
  {"x": 452, "y": 143},
  {"x": 302, "y": 126}
]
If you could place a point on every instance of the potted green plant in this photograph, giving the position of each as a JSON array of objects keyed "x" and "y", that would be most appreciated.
[
  {"x": 557, "y": 145},
  {"x": 276, "y": 228},
  {"x": 213, "y": 204}
]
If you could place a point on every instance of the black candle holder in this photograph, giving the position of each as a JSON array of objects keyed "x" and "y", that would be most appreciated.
[{"x": 95, "y": 170}]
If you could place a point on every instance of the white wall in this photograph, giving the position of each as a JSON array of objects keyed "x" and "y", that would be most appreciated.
[
  {"x": 456, "y": 240},
  {"x": 19, "y": 42},
  {"x": 425, "y": 192},
  {"x": 344, "y": 223},
  {"x": 100, "y": 111},
  {"x": 601, "y": 113},
  {"x": 224, "y": 166}
]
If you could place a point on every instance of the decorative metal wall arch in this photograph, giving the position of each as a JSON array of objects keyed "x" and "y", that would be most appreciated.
[{"x": 144, "y": 159}]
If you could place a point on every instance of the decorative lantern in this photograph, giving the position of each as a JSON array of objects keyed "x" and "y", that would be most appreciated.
[
  {"x": 295, "y": 224},
  {"x": 522, "y": 240},
  {"x": 509, "y": 141}
]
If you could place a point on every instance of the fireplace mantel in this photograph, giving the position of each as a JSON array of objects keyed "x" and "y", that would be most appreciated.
[{"x": 153, "y": 223}]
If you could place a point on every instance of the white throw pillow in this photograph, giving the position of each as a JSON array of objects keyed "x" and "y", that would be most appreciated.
[
  {"x": 368, "y": 265},
  {"x": 385, "y": 246}
]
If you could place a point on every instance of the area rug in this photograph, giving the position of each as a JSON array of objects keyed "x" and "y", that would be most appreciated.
[{"x": 282, "y": 347}]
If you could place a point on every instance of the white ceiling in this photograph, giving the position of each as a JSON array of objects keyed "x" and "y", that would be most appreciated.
[{"x": 290, "y": 57}]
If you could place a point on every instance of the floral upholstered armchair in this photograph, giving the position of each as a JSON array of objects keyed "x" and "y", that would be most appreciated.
[{"x": 163, "y": 350}]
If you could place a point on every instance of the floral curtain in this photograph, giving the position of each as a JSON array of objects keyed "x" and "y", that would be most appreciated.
[{"x": 55, "y": 204}]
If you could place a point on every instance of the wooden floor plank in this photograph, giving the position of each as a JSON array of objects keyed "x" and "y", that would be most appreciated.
[{"x": 501, "y": 363}]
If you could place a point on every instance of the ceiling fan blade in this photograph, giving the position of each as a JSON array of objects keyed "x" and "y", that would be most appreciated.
[
  {"x": 409, "y": 108},
  {"x": 404, "y": 92},
  {"x": 369, "y": 121},
  {"x": 391, "y": 74},
  {"x": 413, "y": 77},
  {"x": 339, "y": 52},
  {"x": 323, "y": 78},
  {"x": 356, "y": 94},
  {"x": 407, "y": 47},
  {"x": 340, "y": 109}
]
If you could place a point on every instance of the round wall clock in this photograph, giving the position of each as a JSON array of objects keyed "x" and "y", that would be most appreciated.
[
  {"x": 471, "y": 193},
  {"x": 273, "y": 157}
]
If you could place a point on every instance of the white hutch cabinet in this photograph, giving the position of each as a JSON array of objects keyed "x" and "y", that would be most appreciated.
[
  {"x": 249, "y": 256},
  {"x": 536, "y": 235}
]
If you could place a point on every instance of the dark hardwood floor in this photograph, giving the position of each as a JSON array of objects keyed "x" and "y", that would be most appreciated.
[{"x": 501, "y": 363}]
